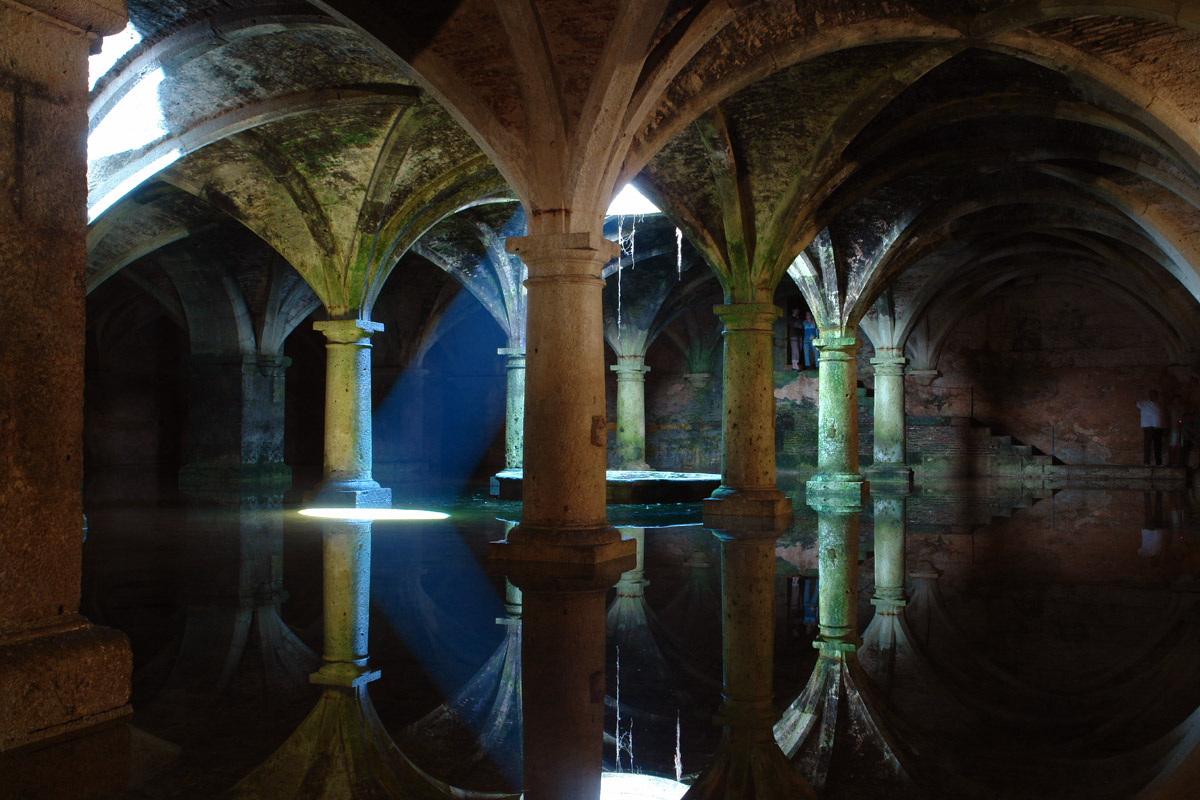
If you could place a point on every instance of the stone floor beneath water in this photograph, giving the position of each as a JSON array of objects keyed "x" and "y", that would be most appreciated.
[{"x": 1043, "y": 600}]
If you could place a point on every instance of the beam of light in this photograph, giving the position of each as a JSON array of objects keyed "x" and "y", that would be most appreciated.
[
  {"x": 364, "y": 514},
  {"x": 630, "y": 201},
  {"x": 629, "y": 786},
  {"x": 134, "y": 122},
  {"x": 111, "y": 50},
  {"x": 132, "y": 182}
]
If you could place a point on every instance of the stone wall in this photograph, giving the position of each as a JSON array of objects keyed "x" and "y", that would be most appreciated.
[{"x": 1059, "y": 367}]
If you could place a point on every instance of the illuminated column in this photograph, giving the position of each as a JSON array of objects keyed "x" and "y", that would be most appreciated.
[
  {"x": 514, "y": 412},
  {"x": 889, "y": 439},
  {"x": 631, "y": 412},
  {"x": 564, "y": 555},
  {"x": 837, "y": 421},
  {"x": 748, "y": 422}
]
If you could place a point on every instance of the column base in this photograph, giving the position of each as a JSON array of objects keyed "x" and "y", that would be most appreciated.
[
  {"x": 735, "y": 508},
  {"x": 350, "y": 494},
  {"x": 836, "y": 490},
  {"x": 895, "y": 478},
  {"x": 62, "y": 679}
]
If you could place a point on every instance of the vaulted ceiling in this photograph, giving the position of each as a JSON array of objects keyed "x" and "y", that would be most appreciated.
[{"x": 898, "y": 161}]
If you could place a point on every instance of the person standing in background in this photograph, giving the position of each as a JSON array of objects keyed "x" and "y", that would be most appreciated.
[{"x": 1152, "y": 432}]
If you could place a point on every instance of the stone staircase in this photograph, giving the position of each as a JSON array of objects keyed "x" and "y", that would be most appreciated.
[{"x": 958, "y": 447}]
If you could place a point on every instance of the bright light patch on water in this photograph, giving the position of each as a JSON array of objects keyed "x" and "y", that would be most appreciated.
[
  {"x": 630, "y": 201},
  {"x": 135, "y": 121},
  {"x": 627, "y": 786},
  {"x": 371, "y": 514},
  {"x": 111, "y": 50}
]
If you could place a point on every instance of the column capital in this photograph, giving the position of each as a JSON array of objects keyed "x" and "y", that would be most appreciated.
[
  {"x": 511, "y": 352},
  {"x": 923, "y": 377},
  {"x": 888, "y": 364},
  {"x": 576, "y": 256},
  {"x": 748, "y": 316},
  {"x": 836, "y": 346},
  {"x": 630, "y": 368},
  {"x": 348, "y": 331}
]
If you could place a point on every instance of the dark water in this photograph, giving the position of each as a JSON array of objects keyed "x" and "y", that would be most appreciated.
[{"x": 1066, "y": 622}]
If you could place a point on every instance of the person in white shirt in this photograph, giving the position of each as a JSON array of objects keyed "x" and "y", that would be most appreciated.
[{"x": 1152, "y": 432}]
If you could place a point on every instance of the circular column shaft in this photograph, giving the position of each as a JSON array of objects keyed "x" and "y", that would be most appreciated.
[
  {"x": 837, "y": 420},
  {"x": 566, "y": 429},
  {"x": 748, "y": 419},
  {"x": 514, "y": 411},
  {"x": 631, "y": 412},
  {"x": 889, "y": 440},
  {"x": 348, "y": 453}
]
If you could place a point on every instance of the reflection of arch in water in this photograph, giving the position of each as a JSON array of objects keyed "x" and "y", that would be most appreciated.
[
  {"x": 234, "y": 644},
  {"x": 447, "y": 649},
  {"x": 482, "y": 720}
]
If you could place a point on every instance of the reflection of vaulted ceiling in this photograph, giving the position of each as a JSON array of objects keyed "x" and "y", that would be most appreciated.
[{"x": 917, "y": 157}]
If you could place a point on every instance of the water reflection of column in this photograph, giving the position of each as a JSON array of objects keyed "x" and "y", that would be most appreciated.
[
  {"x": 748, "y": 762},
  {"x": 888, "y": 629},
  {"x": 343, "y": 734},
  {"x": 836, "y": 711},
  {"x": 647, "y": 686}
]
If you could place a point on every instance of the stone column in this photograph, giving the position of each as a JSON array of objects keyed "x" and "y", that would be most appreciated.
[
  {"x": 631, "y": 412},
  {"x": 748, "y": 762},
  {"x": 347, "y": 484},
  {"x": 565, "y": 418},
  {"x": 59, "y": 674},
  {"x": 837, "y": 421},
  {"x": 748, "y": 420},
  {"x": 889, "y": 442},
  {"x": 514, "y": 412},
  {"x": 564, "y": 555},
  {"x": 235, "y": 425}
]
